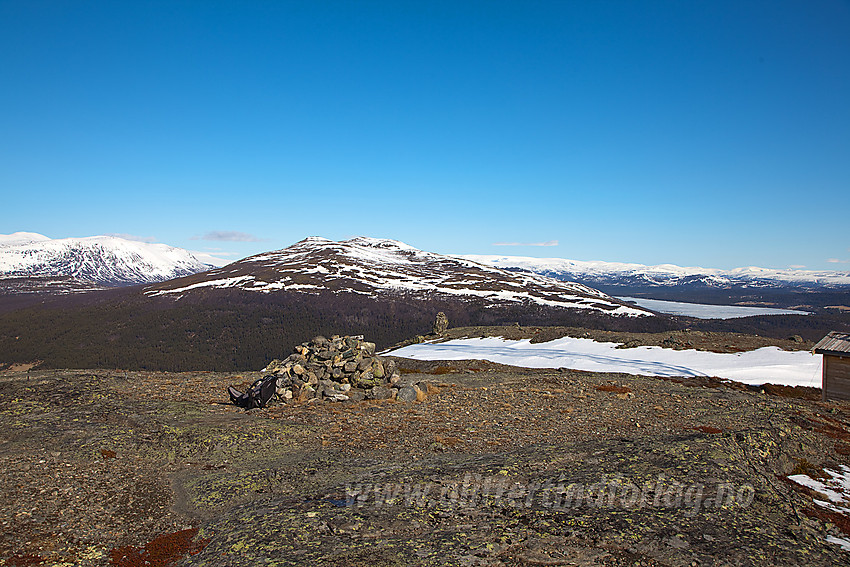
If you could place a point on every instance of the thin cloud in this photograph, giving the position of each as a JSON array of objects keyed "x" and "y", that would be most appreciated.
[
  {"x": 796, "y": 266},
  {"x": 837, "y": 261},
  {"x": 132, "y": 237},
  {"x": 547, "y": 243},
  {"x": 228, "y": 236}
]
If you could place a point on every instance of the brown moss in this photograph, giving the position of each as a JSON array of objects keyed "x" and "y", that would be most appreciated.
[
  {"x": 447, "y": 441},
  {"x": 797, "y": 392},
  {"x": 25, "y": 560},
  {"x": 161, "y": 551},
  {"x": 708, "y": 429},
  {"x": 613, "y": 389}
]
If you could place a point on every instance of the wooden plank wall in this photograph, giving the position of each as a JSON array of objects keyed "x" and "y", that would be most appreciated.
[{"x": 836, "y": 377}]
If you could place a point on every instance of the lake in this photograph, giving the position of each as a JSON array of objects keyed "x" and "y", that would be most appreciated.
[{"x": 705, "y": 311}]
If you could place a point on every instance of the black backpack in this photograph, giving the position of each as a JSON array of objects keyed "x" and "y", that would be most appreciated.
[{"x": 257, "y": 395}]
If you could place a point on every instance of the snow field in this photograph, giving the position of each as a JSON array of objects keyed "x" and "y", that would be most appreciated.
[{"x": 765, "y": 365}]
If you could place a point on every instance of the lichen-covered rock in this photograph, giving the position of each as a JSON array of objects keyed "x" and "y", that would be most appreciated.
[
  {"x": 381, "y": 393},
  {"x": 273, "y": 367},
  {"x": 407, "y": 394}
]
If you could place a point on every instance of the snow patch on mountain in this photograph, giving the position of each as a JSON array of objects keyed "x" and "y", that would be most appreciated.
[{"x": 105, "y": 260}]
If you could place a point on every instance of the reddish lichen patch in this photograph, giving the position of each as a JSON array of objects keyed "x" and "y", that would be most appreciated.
[
  {"x": 835, "y": 431},
  {"x": 797, "y": 392},
  {"x": 108, "y": 454},
  {"x": 161, "y": 551},
  {"x": 840, "y": 521},
  {"x": 708, "y": 429}
]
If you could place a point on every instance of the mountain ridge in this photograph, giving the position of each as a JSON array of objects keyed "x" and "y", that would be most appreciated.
[
  {"x": 379, "y": 267},
  {"x": 664, "y": 275},
  {"x": 107, "y": 261}
]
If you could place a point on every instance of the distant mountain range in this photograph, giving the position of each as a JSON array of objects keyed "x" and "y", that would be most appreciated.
[
  {"x": 30, "y": 260},
  {"x": 383, "y": 268},
  {"x": 188, "y": 315},
  {"x": 33, "y": 262},
  {"x": 612, "y": 274}
]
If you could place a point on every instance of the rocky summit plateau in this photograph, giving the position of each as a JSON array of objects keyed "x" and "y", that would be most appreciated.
[
  {"x": 486, "y": 465},
  {"x": 120, "y": 445}
]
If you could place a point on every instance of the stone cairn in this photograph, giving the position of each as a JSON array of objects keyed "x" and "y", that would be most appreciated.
[
  {"x": 336, "y": 369},
  {"x": 441, "y": 324}
]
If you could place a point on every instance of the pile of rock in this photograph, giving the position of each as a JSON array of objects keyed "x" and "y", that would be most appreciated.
[{"x": 335, "y": 369}]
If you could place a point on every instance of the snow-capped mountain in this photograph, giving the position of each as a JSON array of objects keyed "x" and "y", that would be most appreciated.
[
  {"x": 664, "y": 275},
  {"x": 107, "y": 261},
  {"x": 377, "y": 267}
]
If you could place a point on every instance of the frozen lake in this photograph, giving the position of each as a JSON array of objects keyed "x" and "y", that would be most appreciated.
[{"x": 705, "y": 311}]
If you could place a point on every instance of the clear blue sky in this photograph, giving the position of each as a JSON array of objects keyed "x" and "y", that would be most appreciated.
[{"x": 712, "y": 133}]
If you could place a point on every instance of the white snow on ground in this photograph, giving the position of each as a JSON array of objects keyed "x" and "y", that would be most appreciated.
[
  {"x": 765, "y": 365},
  {"x": 705, "y": 311},
  {"x": 836, "y": 489},
  {"x": 845, "y": 544}
]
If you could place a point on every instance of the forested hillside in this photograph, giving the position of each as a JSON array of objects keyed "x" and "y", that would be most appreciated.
[{"x": 241, "y": 331}]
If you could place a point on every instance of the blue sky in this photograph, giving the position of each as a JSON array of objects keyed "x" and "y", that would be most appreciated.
[{"x": 694, "y": 133}]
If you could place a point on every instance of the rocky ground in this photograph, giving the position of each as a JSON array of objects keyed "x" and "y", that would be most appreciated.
[{"x": 496, "y": 466}]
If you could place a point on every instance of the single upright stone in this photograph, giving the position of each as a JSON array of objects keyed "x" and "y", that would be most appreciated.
[{"x": 441, "y": 323}]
